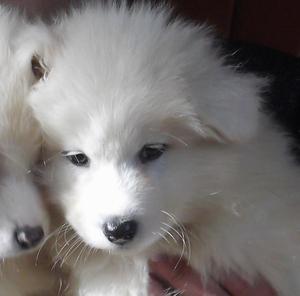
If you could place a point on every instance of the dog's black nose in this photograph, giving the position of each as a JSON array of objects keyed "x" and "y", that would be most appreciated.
[
  {"x": 28, "y": 237},
  {"x": 120, "y": 231}
]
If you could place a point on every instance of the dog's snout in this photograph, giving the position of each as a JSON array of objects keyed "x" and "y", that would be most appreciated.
[
  {"x": 119, "y": 231},
  {"x": 28, "y": 237}
]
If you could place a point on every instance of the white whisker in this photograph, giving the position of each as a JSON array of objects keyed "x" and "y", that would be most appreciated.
[
  {"x": 170, "y": 234},
  {"x": 162, "y": 236},
  {"x": 67, "y": 243},
  {"x": 71, "y": 250},
  {"x": 182, "y": 234},
  {"x": 80, "y": 253},
  {"x": 44, "y": 243}
]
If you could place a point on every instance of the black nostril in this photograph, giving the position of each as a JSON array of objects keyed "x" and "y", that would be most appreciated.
[
  {"x": 28, "y": 237},
  {"x": 119, "y": 231}
]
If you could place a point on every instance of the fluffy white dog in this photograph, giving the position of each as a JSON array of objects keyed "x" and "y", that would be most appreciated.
[
  {"x": 23, "y": 219},
  {"x": 160, "y": 141}
]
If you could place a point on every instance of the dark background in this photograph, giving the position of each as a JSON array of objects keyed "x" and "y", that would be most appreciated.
[{"x": 274, "y": 23}]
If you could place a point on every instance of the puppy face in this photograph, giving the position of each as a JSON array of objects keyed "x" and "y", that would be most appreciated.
[
  {"x": 135, "y": 112},
  {"x": 23, "y": 219},
  {"x": 134, "y": 172}
]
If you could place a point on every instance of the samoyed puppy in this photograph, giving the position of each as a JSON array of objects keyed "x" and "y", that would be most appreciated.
[
  {"x": 23, "y": 218},
  {"x": 160, "y": 146}
]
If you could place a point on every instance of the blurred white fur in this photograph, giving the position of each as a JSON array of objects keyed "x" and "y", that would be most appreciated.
[
  {"x": 20, "y": 143},
  {"x": 226, "y": 190},
  {"x": 20, "y": 138}
]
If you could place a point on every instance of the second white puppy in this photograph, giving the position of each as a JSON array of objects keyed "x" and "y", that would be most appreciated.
[{"x": 24, "y": 221}]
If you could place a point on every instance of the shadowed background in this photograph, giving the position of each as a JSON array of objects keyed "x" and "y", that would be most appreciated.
[{"x": 273, "y": 23}]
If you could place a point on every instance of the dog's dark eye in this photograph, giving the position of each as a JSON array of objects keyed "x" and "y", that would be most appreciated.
[
  {"x": 77, "y": 158},
  {"x": 151, "y": 152}
]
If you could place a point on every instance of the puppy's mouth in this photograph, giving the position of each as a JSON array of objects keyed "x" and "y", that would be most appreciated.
[
  {"x": 170, "y": 237},
  {"x": 135, "y": 235}
]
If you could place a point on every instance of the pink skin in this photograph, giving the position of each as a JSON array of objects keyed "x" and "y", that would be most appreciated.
[{"x": 187, "y": 280}]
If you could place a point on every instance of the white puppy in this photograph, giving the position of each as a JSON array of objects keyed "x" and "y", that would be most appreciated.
[
  {"x": 158, "y": 138},
  {"x": 23, "y": 218}
]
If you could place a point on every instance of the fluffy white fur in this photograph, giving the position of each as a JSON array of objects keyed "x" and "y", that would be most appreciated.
[
  {"x": 20, "y": 138},
  {"x": 20, "y": 144},
  {"x": 226, "y": 189}
]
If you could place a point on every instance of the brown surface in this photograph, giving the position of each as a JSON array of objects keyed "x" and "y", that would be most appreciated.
[
  {"x": 38, "y": 7},
  {"x": 216, "y": 12},
  {"x": 274, "y": 23}
]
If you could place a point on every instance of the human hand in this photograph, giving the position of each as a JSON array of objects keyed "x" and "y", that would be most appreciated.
[{"x": 184, "y": 279}]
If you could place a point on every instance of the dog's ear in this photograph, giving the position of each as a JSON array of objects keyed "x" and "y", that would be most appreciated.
[
  {"x": 38, "y": 67},
  {"x": 32, "y": 48},
  {"x": 226, "y": 104}
]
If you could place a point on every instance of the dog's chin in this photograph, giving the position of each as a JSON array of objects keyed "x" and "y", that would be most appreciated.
[{"x": 125, "y": 250}]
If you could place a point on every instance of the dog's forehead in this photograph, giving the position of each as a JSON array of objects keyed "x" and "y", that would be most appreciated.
[
  {"x": 116, "y": 134},
  {"x": 104, "y": 58},
  {"x": 99, "y": 109},
  {"x": 98, "y": 118},
  {"x": 109, "y": 83}
]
